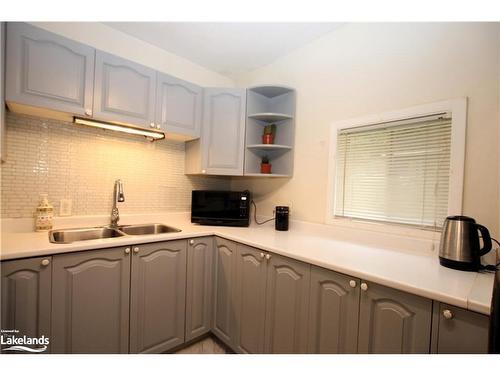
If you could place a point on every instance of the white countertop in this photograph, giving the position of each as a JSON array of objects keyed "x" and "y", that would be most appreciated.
[{"x": 373, "y": 260}]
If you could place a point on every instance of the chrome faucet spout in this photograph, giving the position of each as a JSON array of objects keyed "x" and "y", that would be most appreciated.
[{"x": 118, "y": 196}]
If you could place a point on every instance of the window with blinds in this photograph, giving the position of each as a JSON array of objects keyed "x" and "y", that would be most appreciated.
[{"x": 395, "y": 172}]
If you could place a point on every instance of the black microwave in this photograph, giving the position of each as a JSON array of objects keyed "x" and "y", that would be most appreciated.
[{"x": 216, "y": 207}]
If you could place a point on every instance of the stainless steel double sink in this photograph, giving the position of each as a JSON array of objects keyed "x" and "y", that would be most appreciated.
[{"x": 84, "y": 234}]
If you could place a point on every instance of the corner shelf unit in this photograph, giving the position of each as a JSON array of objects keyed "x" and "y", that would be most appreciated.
[{"x": 270, "y": 105}]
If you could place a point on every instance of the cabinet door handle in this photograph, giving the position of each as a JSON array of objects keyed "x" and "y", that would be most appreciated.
[
  {"x": 45, "y": 262},
  {"x": 191, "y": 242},
  {"x": 158, "y": 126},
  {"x": 262, "y": 255},
  {"x": 268, "y": 256},
  {"x": 203, "y": 171},
  {"x": 152, "y": 125},
  {"x": 364, "y": 287},
  {"x": 352, "y": 284},
  {"x": 447, "y": 314},
  {"x": 136, "y": 250},
  {"x": 127, "y": 250},
  {"x": 88, "y": 112}
]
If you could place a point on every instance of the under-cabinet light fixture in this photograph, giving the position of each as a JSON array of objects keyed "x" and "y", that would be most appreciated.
[{"x": 154, "y": 134}]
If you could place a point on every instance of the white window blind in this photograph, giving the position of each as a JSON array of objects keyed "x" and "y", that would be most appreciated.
[{"x": 395, "y": 172}]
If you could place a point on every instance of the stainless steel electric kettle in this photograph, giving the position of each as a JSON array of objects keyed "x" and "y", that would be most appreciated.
[{"x": 459, "y": 246}]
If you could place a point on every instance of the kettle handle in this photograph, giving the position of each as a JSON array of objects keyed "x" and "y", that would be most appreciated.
[{"x": 486, "y": 240}]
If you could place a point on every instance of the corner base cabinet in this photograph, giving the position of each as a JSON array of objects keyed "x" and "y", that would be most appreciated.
[
  {"x": 271, "y": 302},
  {"x": 199, "y": 289},
  {"x": 250, "y": 300},
  {"x": 225, "y": 275}
]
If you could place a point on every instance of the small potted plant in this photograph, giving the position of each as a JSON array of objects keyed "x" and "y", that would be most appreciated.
[
  {"x": 265, "y": 166},
  {"x": 269, "y": 133}
]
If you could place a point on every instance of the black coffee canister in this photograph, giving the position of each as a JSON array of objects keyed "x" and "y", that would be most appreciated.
[{"x": 281, "y": 222}]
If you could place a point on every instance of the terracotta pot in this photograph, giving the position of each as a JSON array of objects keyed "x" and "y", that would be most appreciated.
[
  {"x": 268, "y": 139},
  {"x": 265, "y": 168}
]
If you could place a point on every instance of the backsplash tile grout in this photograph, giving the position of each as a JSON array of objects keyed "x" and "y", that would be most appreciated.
[{"x": 69, "y": 161}]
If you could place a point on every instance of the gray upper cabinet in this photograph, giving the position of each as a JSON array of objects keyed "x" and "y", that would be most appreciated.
[
  {"x": 287, "y": 305},
  {"x": 26, "y": 296},
  {"x": 124, "y": 91},
  {"x": 157, "y": 296},
  {"x": 393, "y": 322},
  {"x": 224, "y": 130},
  {"x": 199, "y": 290},
  {"x": 458, "y": 331},
  {"x": 178, "y": 106},
  {"x": 333, "y": 312},
  {"x": 90, "y": 302},
  {"x": 220, "y": 151},
  {"x": 49, "y": 71},
  {"x": 250, "y": 300},
  {"x": 225, "y": 262}
]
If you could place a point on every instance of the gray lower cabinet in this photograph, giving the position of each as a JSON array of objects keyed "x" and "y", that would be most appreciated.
[
  {"x": 47, "y": 70},
  {"x": 393, "y": 322},
  {"x": 26, "y": 296},
  {"x": 124, "y": 91},
  {"x": 333, "y": 312},
  {"x": 459, "y": 331},
  {"x": 90, "y": 302},
  {"x": 153, "y": 297},
  {"x": 271, "y": 302},
  {"x": 225, "y": 275},
  {"x": 199, "y": 288},
  {"x": 250, "y": 300},
  {"x": 157, "y": 296},
  {"x": 178, "y": 106},
  {"x": 287, "y": 305}
]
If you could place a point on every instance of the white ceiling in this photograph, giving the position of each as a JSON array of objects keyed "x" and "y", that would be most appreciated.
[{"x": 227, "y": 48}]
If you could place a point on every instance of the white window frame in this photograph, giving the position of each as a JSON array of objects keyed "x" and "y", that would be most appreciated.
[{"x": 458, "y": 109}]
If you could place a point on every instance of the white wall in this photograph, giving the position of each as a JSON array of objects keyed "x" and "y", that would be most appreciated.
[
  {"x": 107, "y": 39},
  {"x": 362, "y": 69}
]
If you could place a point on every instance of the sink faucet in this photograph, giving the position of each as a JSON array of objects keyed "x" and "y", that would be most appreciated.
[{"x": 117, "y": 197}]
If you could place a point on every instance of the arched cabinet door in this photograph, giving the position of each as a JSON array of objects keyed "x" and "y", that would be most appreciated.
[
  {"x": 250, "y": 299},
  {"x": 199, "y": 288},
  {"x": 26, "y": 297},
  {"x": 392, "y": 321},
  {"x": 124, "y": 91},
  {"x": 287, "y": 304},
  {"x": 178, "y": 106},
  {"x": 225, "y": 269},
  {"x": 224, "y": 131},
  {"x": 333, "y": 312},
  {"x": 47, "y": 70},
  {"x": 157, "y": 296},
  {"x": 90, "y": 302}
]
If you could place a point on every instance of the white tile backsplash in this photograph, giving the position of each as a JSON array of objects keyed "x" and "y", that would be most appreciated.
[{"x": 69, "y": 161}]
